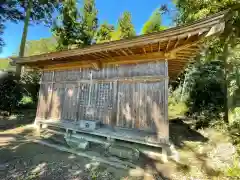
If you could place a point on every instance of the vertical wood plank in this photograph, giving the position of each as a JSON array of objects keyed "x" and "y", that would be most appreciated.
[
  {"x": 40, "y": 99},
  {"x": 77, "y": 108},
  {"x": 51, "y": 97},
  {"x": 166, "y": 100},
  {"x": 115, "y": 104}
]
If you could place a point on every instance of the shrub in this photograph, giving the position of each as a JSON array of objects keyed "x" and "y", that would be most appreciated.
[
  {"x": 204, "y": 89},
  {"x": 10, "y": 92},
  {"x": 30, "y": 81},
  {"x": 27, "y": 103},
  {"x": 26, "y": 100}
]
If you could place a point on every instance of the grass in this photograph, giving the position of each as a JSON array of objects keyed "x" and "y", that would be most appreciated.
[
  {"x": 176, "y": 110},
  {"x": 234, "y": 171}
]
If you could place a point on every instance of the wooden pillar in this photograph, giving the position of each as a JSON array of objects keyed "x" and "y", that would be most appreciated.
[
  {"x": 39, "y": 96},
  {"x": 166, "y": 100}
]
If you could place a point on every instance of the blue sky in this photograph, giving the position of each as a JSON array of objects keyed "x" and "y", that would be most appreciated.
[{"x": 108, "y": 10}]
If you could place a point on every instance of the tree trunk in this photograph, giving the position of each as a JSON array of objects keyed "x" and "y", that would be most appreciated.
[
  {"x": 24, "y": 36},
  {"x": 226, "y": 109}
]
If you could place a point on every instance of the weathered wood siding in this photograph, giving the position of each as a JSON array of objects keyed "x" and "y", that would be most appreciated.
[
  {"x": 111, "y": 95},
  {"x": 140, "y": 104}
]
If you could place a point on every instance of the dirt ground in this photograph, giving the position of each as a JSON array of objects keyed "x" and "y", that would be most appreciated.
[{"x": 23, "y": 160}]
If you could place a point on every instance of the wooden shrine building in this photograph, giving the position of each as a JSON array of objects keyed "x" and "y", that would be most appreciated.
[{"x": 118, "y": 90}]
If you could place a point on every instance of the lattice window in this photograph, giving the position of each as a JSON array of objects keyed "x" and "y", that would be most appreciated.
[
  {"x": 83, "y": 94},
  {"x": 105, "y": 95}
]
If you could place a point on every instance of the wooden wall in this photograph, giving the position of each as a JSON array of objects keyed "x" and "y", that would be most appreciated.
[{"x": 129, "y": 96}]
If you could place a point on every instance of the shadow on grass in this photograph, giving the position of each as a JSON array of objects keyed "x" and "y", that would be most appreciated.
[
  {"x": 181, "y": 131},
  {"x": 158, "y": 172},
  {"x": 202, "y": 158},
  {"x": 17, "y": 119}
]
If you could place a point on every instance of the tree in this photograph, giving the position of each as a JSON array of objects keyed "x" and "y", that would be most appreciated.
[
  {"x": 125, "y": 28},
  {"x": 190, "y": 10},
  {"x": 67, "y": 29},
  {"x": 75, "y": 28},
  {"x": 35, "y": 11},
  {"x": 10, "y": 92},
  {"x": 8, "y": 11},
  {"x": 154, "y": 24},
  {"x": 104, "y": 33},
  {"x": 219, "y": 47},
  {"x": 204, "y": 86},
  {"x": 89, "y": 22}
]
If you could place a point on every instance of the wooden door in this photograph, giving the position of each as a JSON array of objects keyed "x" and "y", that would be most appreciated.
[
  {"x": 44, "y": 102},
  {"x": 70, "y": 102},
  {"x": 140, "y": 105},
  {"x": 57, "y": 101}
]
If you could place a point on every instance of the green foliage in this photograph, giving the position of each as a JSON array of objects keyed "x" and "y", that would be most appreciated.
[
  {"x": 125, "y": 28},
  {"x": 234, "y": 131},
  {"x": 176, "y": 107},
  {"x": 204, "y": 84},
  {"x": 89, "y": 22},
  {"x": 30, "y": 81},
  {"x": 27, "y": 103},
  {"x": 41, "y": 10},
  {"x": 104, "y": 33},
  {"x": 43, "y": 45},
  {"x": 154, "y": 24},
  {"x": 35, "y": 11},
  {"x": 8, "y": 11},
  {"x": 233, "y": 172},
  {"x": 67, "y": 28},
  {"x": 1, "y": 40},
  {"x": 224, "y": 91},
  {"x": 10, "y": 92},
  {"x": 234, "y": 78},
  {"x": 74, "y": 28},
  {"x": 116, "y": 35},
  {"x": 26, "y": 100},
  {"x": 190, "y": 10}
]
